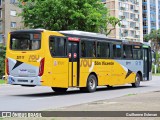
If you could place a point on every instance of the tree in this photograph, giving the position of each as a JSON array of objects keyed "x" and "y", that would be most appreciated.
[
  {"x": 85, "y": 15},
  {"x": 154, "y": 37},
  {"x": 2, "y": 59}
]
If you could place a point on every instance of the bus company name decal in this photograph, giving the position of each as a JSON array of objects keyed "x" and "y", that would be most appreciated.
[
  {"x": 103, "y": 63},
  {"x": 88, "y": 63}
]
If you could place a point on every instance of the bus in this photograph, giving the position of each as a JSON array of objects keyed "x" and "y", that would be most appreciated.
[{"x": 72, "y": 58}]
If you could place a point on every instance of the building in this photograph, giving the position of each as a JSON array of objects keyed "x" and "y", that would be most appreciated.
[
  {"x": 151, "y": 15},
  {"x": 9, "y": 19},
  {"x": 130, "y": 14}
]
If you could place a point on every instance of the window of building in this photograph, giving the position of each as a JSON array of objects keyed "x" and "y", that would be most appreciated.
[
  {"x": 132, "y": 16},
  {"x": 13, "y": 1},
  {"x": 103, "y": 49},
  {"x": 145, "y": 31},
  {"x": 1, "y": 38},
  {"x": 144, "y": 15},
  {"x": 0, "y": 13},
  {"x": 57, "y": 46},
  {"x": 145, "y": 23},
  {"x": 144, "y": 7},
  {"x": 13, "y": 13},
  {"x": 0, "y": 2},
  {"x": 0, "y": 26},
  {"x": 13, "y": 24},
  {"x": 117, "y": 51}
]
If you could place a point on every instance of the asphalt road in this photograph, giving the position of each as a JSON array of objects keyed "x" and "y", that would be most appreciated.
[{"x": 18, "y": 98}]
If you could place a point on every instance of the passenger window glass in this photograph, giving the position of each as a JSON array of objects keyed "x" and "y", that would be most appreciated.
[
  {"x": 103, "y": 49},
  {"x": 127, "y": 51},
  {"x": 137, "y": 52},
  {"x": 57, "y": 46},
  {"x": 88, "y": 49},
  {"x": 117, "y": 51},
  {"x": 25, "y": 41}
]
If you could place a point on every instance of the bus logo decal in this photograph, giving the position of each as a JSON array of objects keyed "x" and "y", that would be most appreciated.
[
  {"x": 33, "y": 58},
  {"x": 86, "y": 63},
  {"x": 55, "y": 63}
]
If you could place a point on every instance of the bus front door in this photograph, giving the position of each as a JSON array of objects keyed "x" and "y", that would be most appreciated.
[
  {"x": 147, "y": 63},
  {"x": 73, "y": 54}
]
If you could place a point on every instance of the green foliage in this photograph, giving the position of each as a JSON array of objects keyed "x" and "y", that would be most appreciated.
[
  {"x": 146, "y": 38},
  {"x": 157, "y": 70},
  {"x": 85, "y": 15},
  {"x": 2, "y": 60},
  {"x": 2, "y": 81}
]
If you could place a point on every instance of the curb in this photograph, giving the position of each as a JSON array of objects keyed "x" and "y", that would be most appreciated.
[{"x": 4, "y": 84}]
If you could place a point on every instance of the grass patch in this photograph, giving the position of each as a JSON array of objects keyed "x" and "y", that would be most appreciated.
[
  {"x": 2, "y": 81},
  {"x": 131, "y": 94},
  {"x": 157, "y": 74}
]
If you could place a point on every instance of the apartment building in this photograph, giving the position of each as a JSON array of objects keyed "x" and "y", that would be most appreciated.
[
  {"x": 9, "y": 19},
  {"x": 151, "y": 15},
  {"x": 130, "y": 14}
]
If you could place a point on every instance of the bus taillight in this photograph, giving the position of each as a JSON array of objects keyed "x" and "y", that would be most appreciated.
[
  {"x": 7, "y": 66},
  {"x": 41, "y": 67}
]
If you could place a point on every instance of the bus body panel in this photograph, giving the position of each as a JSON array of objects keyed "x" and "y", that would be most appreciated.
[
  {"x": 59, "y": 73},
  {"x": 55, "y": 69},
  {"x": 109, "y": 72}
]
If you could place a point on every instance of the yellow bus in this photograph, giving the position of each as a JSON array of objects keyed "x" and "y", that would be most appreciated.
[{"x": 63, "y": 59}]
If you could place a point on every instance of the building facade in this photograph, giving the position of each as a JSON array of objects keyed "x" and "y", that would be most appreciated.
[
  {"x": 151, "y": 15},
  {"x": 130, "y": 14},
  {"x": 10, "y": 20}
]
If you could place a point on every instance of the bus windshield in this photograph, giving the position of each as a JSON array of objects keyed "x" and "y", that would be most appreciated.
[{"x": 25, "y": 41}]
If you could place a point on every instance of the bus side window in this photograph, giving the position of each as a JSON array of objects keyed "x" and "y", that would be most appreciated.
[
  {"x": 137, "y": 52},
  {"x": 103, "y": 49},
  {"x": 88, "y": 49},
  {"x": 116, "y": 50},
  {"x": 57, "y": 46},
  {"x": 83, "y": 50},
  {"x": 51, "y": 47},
  {"x": 127, "y": 51}
]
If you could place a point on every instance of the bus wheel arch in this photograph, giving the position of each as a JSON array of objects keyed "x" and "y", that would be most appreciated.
[
  {"x": 138, "y": 78},
  {"x": 59, "y": 90},
  {"x": 93, "y": 73},
  {"x": 140, "y": 74},
  {"x": 91, "y": 83}
]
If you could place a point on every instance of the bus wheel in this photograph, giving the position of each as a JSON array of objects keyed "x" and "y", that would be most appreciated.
[
  {"x": 137, "y": 81},
  {"x": 91, "y": 83},
  {"x": 59, "y": 90}
]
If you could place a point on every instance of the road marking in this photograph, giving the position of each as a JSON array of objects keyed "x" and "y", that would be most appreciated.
[{"x": 44, "y": 98}]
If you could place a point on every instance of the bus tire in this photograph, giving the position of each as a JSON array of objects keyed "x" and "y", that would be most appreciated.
[
  {"x": 91, "y": 83},
  {"x": 59, "y": 90},
  {"x": 137, "y": 81}
]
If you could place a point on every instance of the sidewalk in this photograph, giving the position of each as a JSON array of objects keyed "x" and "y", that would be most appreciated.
[{"x": 131, "y": 102}]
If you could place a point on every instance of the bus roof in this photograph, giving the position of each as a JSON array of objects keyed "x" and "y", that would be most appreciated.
[
  {"x": 83, "y": 33},
  {"x": 29, "y": 30}
]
